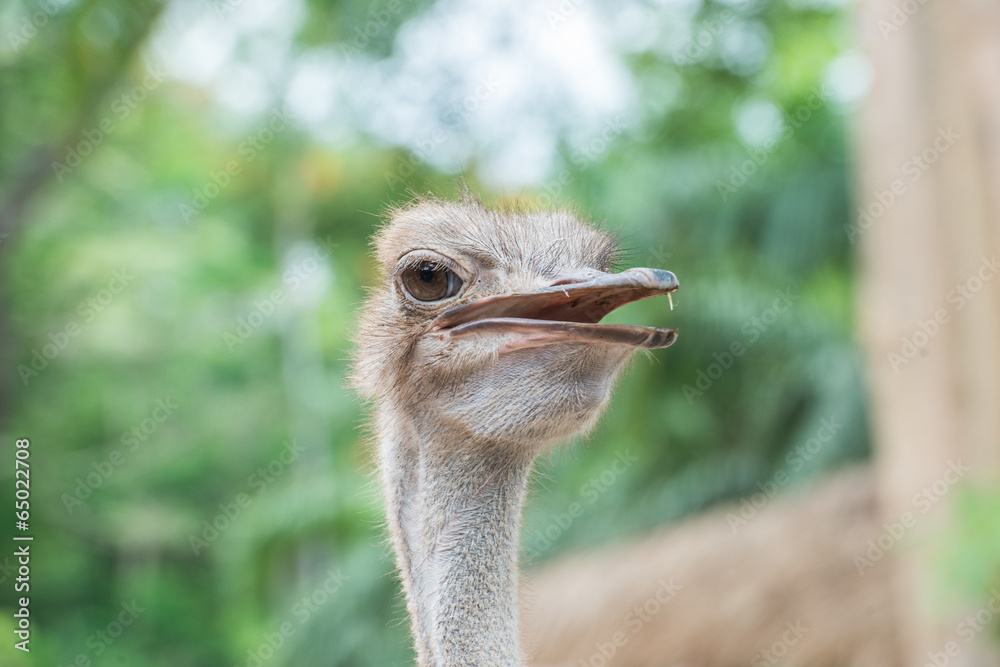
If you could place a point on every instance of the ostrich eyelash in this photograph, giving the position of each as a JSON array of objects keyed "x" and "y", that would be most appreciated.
[
  {"x": 415, "y": 263},
  {"x": 435, "y": 262}
]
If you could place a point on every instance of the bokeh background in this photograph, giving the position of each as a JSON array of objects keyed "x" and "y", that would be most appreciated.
[{"x": 187, "y": 189}]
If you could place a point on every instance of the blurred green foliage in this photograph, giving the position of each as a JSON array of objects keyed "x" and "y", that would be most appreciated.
[
  {"x": 295, "y": 219},
  {"x": 967, "y": 563}
]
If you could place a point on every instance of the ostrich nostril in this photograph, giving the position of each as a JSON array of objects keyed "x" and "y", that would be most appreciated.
[{"x": 573, "y": 277}]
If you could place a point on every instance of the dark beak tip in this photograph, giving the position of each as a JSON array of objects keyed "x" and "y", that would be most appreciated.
[
  {"x": 665, "y": 279},
  {"x": 668, "y": 339}
]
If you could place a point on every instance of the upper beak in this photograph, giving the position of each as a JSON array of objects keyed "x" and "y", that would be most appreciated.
[{"x": 565, "y": 312}]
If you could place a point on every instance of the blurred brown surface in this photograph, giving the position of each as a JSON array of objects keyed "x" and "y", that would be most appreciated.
[{"x": 782, "y": 589}]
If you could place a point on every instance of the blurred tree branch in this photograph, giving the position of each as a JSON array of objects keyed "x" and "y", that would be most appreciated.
[{"x": 36, "y": 169}]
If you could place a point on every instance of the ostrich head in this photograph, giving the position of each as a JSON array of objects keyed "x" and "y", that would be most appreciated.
[
  {"x": 481, "y": 346},
  {"x": 486, "y": 321}
]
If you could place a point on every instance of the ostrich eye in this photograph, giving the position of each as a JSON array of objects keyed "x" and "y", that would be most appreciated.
[{"x": 427, "y": 281}]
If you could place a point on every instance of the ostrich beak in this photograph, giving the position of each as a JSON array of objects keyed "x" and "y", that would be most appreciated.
[{"x": 569, "y": 311}]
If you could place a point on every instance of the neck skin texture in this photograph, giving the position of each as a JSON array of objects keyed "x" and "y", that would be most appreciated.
[{"x": 454, "y": 511}]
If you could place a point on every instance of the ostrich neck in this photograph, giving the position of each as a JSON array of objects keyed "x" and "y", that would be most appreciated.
[{"x": 454, "y": 509}]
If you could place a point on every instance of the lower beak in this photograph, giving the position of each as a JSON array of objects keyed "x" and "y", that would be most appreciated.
[{"x": 564, "y": 313}]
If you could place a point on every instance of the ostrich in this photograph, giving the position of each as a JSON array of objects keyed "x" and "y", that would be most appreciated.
[{"x": 480, "y": 348}]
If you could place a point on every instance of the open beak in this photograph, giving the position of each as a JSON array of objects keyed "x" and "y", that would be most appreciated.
[{"x": 566, "y": 312}]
